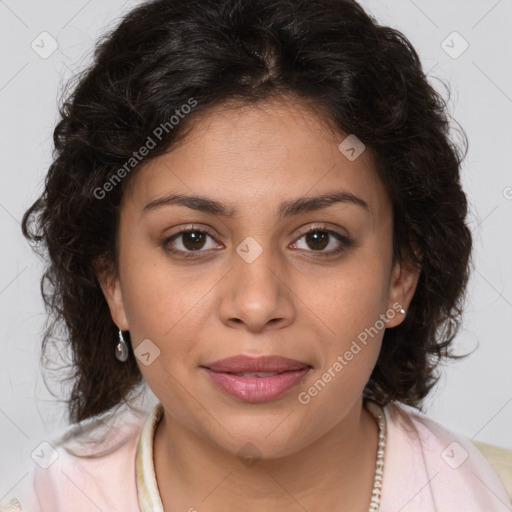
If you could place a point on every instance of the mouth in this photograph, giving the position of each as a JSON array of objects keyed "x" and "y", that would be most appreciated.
[
  {"x": 242, "y": 364},
  {"x": 260, "y": 375},
  {"x": 256, "y": 379}
]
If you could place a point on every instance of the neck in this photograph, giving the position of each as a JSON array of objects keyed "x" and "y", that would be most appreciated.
[{"x": 335, "y": 472}]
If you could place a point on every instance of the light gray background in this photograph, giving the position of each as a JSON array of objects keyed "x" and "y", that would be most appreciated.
[{"x": 474, "y": 396}]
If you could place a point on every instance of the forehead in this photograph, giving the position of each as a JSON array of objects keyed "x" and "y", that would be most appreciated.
[{"x": 244, "y": 154}]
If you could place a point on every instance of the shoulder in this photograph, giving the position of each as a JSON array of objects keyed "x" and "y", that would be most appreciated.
[
  {"x": 90, "y": 467},
  {"x": 439, "y": 467},
  {"x": 501, "y": 461}
]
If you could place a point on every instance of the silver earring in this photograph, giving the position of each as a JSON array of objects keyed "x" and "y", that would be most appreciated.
[
  {"x": 121, "y": 349},
  {"x": 402, "y": 311}
]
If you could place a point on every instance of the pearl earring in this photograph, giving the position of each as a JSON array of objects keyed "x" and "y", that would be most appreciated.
[
  {"x": 121, "y": 349},
  {"x": 402, "y": 310}
]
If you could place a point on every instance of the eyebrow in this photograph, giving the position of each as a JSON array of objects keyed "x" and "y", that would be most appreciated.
[{"x": 286, "y": 209}]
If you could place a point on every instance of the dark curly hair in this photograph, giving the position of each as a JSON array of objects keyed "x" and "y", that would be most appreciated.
[{"x": 365, "y": 77}]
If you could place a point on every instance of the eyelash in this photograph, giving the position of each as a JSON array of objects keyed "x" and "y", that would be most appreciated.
[{"x": 345, "y": 241}]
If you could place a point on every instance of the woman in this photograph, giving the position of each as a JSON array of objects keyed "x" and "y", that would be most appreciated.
[{"x": 255, "y": 209}]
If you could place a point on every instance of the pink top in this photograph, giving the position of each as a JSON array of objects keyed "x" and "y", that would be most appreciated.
[{"x": 106, "y": 464}]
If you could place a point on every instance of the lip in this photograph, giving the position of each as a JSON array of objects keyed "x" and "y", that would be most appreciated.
[
  {"x": 242, "y": 363},
  {"x": 253, "y": 388}
]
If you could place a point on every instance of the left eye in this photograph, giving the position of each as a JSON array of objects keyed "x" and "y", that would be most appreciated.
[{"x": 318, "y": 239}]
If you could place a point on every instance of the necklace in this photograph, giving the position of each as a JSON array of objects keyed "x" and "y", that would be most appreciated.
[{"x": 378, "y": 414}]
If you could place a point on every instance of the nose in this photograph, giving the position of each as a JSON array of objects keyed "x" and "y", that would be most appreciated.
[{"x": 257, "y": 295}]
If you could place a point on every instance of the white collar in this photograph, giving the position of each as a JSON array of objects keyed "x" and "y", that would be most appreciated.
[{"x": 147, "y": 488}]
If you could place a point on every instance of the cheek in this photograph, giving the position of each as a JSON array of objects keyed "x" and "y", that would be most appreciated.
[
  {"x": 351, "y": 299},
  {"x": 350, "y": 309},
  {"x": 156, "y": 295},
  {"x": 166, "y": 308},
  {"x": 172, "y": 308}
]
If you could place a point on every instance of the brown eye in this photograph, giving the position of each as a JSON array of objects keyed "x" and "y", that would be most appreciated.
[
  {"x": 193, "y": 240},
  {"x": 189, "y": 241},
  {"x": 317, "y": 240}
]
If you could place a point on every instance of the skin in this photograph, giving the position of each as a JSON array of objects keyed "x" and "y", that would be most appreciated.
[{"x": 289, "y": 301}]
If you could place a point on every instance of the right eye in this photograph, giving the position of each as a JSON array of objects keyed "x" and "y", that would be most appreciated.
[{"x": 188, "y": 242}]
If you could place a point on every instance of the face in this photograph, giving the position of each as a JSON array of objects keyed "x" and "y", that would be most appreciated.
[{"x": 256, "y": 269}]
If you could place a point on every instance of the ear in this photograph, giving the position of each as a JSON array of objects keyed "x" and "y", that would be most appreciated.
[
  {"x": 404, "y": 279},
  {"x": 111, "y": 287}
]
